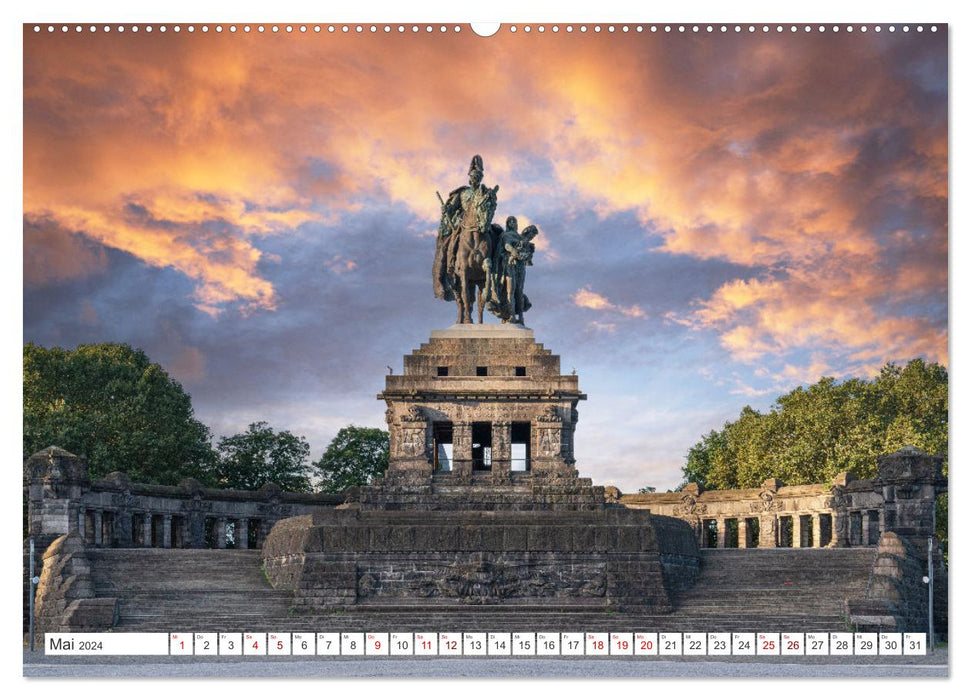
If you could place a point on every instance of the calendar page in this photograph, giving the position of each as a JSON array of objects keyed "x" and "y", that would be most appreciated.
[{"x": 672, "y": 401}]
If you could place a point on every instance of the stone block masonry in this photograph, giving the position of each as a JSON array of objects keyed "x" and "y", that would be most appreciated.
[{"x": 606, "y": 559}]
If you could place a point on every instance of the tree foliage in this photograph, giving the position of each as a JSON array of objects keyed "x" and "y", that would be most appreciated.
[
  {"x": 260, "y": 456},
  {"x": 110, "y": 403},
  {"x": 812, "y": 434},
  {"x": 354, "y": 458}
]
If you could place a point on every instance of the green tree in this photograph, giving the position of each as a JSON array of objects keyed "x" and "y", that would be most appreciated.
[
  {"x": 260, "y": 456},
  {"x": 110, "y": 403},
  {"x": 353, "y": 458},
  {"x": 812, "y": 434}
]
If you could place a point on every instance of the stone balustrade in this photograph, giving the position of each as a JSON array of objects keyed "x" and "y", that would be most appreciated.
[
  {"x": 116, "y": 512},
  {"x": 848, "y": 512}
]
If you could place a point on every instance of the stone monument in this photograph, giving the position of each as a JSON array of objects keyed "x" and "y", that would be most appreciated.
[{"x": 482, "y": 503}]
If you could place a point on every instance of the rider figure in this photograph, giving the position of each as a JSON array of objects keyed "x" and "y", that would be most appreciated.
[{"x": 459, "y": 203}]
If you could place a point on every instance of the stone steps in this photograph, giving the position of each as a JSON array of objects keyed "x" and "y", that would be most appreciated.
[{"x": 225, "y": 590}]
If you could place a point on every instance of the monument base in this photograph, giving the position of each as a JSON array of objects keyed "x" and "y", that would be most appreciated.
[{"x": 608, "y": 559}]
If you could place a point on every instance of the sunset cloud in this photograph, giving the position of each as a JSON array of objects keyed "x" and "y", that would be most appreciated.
[
  {"x": 587, "y": 299},
  {"x": 185, "y": 151},
  {"x": 772, "y": 206}
]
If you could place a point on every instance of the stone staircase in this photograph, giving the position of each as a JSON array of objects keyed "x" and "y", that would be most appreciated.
[
  {"x": 225, "y": 590},
  {"x": 187, "y": 589}
]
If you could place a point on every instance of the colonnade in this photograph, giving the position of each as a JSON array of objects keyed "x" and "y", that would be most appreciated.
[
  {"x": 105, "y": 527},
  {"x": 816, "y": 529}
]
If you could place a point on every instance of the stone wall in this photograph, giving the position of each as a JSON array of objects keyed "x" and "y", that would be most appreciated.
[
  {"x": 896, "y": 597},
  {"x": 65, "y": 600},
  {"x": 606, "y": 559},
  {"x": 678, "y": 551}
]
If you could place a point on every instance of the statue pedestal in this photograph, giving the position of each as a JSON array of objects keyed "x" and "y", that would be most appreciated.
[
  {"x": 482, "y": 398},
  {"x": 481, "y": 503}
]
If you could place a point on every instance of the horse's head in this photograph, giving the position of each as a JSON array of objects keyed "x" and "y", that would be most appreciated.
[{"x": 486, "y": 208}]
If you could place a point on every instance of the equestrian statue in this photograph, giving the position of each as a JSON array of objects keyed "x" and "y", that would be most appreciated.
[{"x": 477, "y": 260}]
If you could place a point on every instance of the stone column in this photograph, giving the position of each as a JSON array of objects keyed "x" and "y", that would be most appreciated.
[
  {"x": 817, "y": 530},
  {"x": 796, "y": 530},
  {"x": 242, "y": 533},
  {"x": 147, "y": 529},
  {"x": 81, "y": 524},
  {"x": 502, "y": 446},
  {"x": 123, "y": 528},
  {"x": 768, "y": 529},
  {"x": 97, "y": 526},
  {"x": 721, "y": 538},
  {"x": 220, "y": 533},
  {"x": 462, "y": 447},
  {"x": 865, "y": 527},
  {"x": 742, "y": 533},
  {"x": 167, "y": 531}
]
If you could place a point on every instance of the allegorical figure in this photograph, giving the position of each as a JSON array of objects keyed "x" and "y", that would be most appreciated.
[
  {"x": 464, "y": 247},
  {"x": 513, "y": 253}
]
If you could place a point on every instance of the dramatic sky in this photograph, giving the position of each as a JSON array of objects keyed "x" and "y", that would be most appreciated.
[{"x": 722, "y": 217}]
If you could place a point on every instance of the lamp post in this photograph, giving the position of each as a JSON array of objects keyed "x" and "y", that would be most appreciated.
[{"x": 929, "y": 580}]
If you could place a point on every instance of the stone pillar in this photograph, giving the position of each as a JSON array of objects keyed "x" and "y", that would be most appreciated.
[
  {"x": 768, "y": 531},
  {"x": 242, "y": 533},
  {"x": 98, "y": 527},
  {"x": 167, "y": 531},
  {"x": 81, "y": 524},
  {"x": 547, "y": 444},
  {"x": 865, "y": 529},
  {"x": 196, "y": 528},
  {"x": 220, "y": 533},
  {"x": 502, "y": 446},
  {"x": 721, "y": 538},
  {"x": 841, "y": 525},
  {"x": 742, "y": 533},
  {"x": 123, "y": 528},
  {"x": 817, "y": 530},
  {"x": 147, "y": 529},
  {"x": 462, "y": 447},
  {"x": 796, "y": 530}
]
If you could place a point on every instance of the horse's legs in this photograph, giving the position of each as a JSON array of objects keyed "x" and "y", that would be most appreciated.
[{"x": 459, "y": 298}]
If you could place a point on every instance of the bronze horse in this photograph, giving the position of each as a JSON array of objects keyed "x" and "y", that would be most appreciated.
[{"x": 470, "y": 253}]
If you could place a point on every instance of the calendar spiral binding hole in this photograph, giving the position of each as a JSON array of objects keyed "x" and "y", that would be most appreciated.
[{"x": 512, "y": 29}]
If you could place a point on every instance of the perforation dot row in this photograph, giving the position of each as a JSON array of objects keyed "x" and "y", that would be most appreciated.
[{"x": 442, "y": 29}]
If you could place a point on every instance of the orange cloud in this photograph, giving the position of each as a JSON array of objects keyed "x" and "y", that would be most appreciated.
[
  {"x": 768, "y": 152},
  {"x": 587, "y": 299}
]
